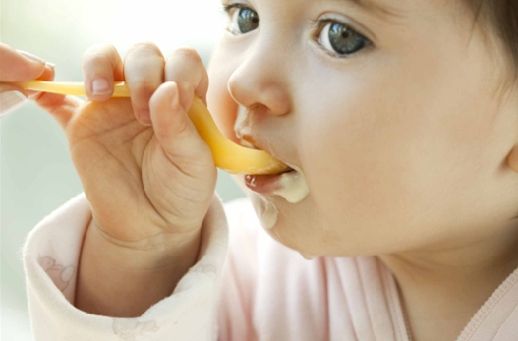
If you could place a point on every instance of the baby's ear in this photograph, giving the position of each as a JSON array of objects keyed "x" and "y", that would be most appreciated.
[{"x": 512, "y": 159}]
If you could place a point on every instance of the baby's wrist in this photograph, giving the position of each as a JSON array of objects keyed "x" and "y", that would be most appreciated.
[
  {"x": 157, "y": 252},
  {"x": 110, "y": 272}
]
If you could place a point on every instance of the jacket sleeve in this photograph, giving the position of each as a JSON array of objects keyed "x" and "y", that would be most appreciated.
[{"x": 51, "y": 257}]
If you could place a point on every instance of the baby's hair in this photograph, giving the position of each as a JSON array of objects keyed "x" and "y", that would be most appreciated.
[{"x": 501, "y": 16}]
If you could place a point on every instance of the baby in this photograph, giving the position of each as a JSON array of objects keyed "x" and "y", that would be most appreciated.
[{"x": 399, "y": 121}]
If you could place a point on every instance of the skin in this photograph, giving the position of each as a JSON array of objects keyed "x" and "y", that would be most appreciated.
[
  {"x": 416, "y": 138},
  {"x": 147, "y": 174},
  {"x": 17, "y": 66},
  {"x": 393, "y": 114},
  {"x": 416, "y": 170}
]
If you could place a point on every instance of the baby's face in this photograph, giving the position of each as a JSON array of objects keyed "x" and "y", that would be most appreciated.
[{"x": 391, "y": 114}]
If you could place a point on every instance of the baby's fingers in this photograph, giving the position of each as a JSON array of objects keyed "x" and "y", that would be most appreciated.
[
  {"x": 144, "y": 72},
  {"x": 186, "y": 67},
  {"x": 102, "y": 65},
  {"x": 62, "y": 108},
  {"x": 175, "y": 131}
]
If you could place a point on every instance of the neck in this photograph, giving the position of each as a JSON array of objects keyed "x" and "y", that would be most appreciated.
[{"x": 441, "y": 288}]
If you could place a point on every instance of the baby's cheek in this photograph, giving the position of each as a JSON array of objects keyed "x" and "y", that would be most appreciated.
[
  {"x": 219, "y": 101},
  {"x": 223, "y": 111},
  {"x": 355, "y": 183}
]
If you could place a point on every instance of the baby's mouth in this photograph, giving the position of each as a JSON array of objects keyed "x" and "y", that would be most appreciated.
[
  {"x": 289, "y": 184},
  {"x": 243, "y": 132}
]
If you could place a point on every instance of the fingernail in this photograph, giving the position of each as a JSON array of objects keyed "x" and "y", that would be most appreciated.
[
  {"x": 100, "y": 87},
  {"x": 32, "y": 57},
  {"x": 51, "y": 66},
  {"x": 10, "y": 101}
]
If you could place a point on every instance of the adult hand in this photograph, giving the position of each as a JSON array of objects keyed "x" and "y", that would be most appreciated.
[{"x": 19, "y": 66}]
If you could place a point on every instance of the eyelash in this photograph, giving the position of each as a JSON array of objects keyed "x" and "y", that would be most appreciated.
[
  {"x": 320, "y": 24},
  {"x": 317, "y": 27},
  {"x": 229, "y": 8}
]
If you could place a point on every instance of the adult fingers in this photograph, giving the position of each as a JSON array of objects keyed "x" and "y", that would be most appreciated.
[
  {"x": 12, "y": 96},
  {"x": 19, "y": 66}
]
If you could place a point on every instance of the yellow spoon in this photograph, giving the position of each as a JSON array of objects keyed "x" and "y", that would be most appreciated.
[{"x": 227, "y": 154}]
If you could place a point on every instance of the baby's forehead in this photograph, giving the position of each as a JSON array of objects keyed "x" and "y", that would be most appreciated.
[
  {"x": 384, "y": 7},
  {"x": 389, "y": 11},
  {"x": 380, "y": 6}
]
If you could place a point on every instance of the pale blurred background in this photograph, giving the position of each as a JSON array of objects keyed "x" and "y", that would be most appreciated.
[{"x": 36, "y": 174}]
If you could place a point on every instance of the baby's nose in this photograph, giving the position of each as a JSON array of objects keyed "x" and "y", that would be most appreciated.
[{"x": 260, "y": 87}]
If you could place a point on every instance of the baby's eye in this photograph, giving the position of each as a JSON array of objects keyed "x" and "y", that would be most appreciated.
[
  {"x": 339, "y": 39},
  {"x": 242, "y": 19}
]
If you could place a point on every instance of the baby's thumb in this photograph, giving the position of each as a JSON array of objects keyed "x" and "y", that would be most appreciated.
[{"x": 172, "y": 126}]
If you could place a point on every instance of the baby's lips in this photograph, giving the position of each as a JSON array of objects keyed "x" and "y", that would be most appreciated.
[
  {"x": 227, "y": 154},
  {"x": 250, "y": 141}
]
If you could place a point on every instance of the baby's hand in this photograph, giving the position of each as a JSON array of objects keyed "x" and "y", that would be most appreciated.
[{"x": 146, "y": 172}]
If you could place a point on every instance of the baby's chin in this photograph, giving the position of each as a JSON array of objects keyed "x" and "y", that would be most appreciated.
[{"x": 267, "y": 210}]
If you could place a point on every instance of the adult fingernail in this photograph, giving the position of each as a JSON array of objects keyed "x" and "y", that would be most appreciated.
[
  {"x": 50, "y": 66},
  {"x": 11, "y": 100},
  {"x": 32, "y": 57},
  {"x": 100, "y": 87}
]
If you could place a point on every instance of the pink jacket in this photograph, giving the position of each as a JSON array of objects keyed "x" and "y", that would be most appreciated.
[{"x": 258, "y": 290}]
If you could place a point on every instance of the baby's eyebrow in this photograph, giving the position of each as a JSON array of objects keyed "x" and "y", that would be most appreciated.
[{"x": 374, "y": 6}]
